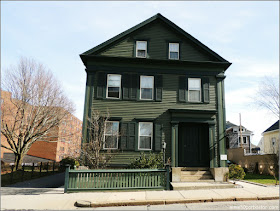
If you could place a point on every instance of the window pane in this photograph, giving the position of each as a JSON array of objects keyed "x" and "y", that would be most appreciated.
[
  {"x": 114, "y": 80},
  {"x": 174, "y": 47},
  {"x": 141, "y": 45},
  {"x": 174, "y": 55},
  {"x": 147, "y": 81},
  {"x": 145, "y": 128},
  {"x": 110, "y": 142},
  {"x": 147, "y": 94},
  {"x": 114, "y": 92},
  {"x": 112, "y": 128},
  {"x": 145, "y": 142},
  {"x": 194, "y": 95},
  {"x": 194, "y": 83},
  {"x": 141, "y": 53},
  {"x": 115, "y": 128}
]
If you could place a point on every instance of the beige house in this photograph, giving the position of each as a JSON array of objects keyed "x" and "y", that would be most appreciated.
[{"x": 271, "y": 139}]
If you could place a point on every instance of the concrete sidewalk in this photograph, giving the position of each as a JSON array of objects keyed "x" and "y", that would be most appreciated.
[{"x": 55, "y": 199}]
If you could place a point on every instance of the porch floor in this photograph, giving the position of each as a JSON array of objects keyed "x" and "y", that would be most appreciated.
[{"x": 201, "y": 185}]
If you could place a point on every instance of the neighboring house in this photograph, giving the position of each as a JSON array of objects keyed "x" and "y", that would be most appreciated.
[
  {"x": 261, "y": 145},
  {"x": 159, "y": 85},
  {"x": 271, "y": 139},
  {"x": 68, "y": 143},
  {"x": 233, "y": 137}
]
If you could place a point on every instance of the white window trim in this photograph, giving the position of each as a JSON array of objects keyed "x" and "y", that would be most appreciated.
[
  {"x": 137, "y": 49},
  {"x": 173, "y": 51},
  {"x": 194, "y": 90},
  {"x": 113, "y": 86},
  {"x": 110, "y": 134},
  {"x": 147, "y": 136},
  {"x": 146, "y": 88}
]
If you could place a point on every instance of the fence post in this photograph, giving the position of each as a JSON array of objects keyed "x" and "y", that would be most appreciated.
[
  {"x": 12, "y": 173},
  {"x": 22, "y": 172},
  {"x": 167, "y": 167},
  {"x": 32, "y": 170},
  {"x": 41, "y": 168},
  {"x": 47, "y": 167},
  {"x": 53, "y": 167},
  {"x": 66, "y": 181}
]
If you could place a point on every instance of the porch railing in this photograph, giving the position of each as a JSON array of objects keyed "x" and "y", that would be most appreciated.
[{"x": 117, "y": 179}]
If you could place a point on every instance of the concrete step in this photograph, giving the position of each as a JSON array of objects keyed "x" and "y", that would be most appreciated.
[
  {"x": 200, "y": 185},
  {"x": 183, "y": 173},
  {"x": 195, "y": 169},
  {"x": 196, "y": 178}
]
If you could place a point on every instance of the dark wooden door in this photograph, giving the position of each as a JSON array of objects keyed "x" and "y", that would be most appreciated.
[{"x": 193, "y": 145}]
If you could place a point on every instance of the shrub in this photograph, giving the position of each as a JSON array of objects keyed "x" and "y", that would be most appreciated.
[
  {"x": 145, "y": 161},
  {"x": 70, "y": 161},
  {"x": 236, "y": 172}
]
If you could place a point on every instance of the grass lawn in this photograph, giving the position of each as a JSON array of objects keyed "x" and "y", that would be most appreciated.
[
  {"x": 17, "y": 176},
  {"x": 259, "y": 178}
]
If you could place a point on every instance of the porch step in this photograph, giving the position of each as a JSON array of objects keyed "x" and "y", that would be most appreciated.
[
  {"x": 195, "y": 173},
  {"x": 200, "y": 185},
  {"x": 192, "y": 174},
  {"x": 195, "y": 169},
  {"x": 197, "y": 178}
]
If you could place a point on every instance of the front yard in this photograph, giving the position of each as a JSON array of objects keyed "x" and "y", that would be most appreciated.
[{"x": 259, "y": 178}]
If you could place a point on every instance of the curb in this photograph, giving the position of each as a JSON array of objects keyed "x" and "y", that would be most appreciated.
[
  {"x": 82, "y": 203},
  {"x": 253, "y": 183}
]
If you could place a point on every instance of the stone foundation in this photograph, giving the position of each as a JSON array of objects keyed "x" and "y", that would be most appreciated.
[{"x": 219, "y": 173}]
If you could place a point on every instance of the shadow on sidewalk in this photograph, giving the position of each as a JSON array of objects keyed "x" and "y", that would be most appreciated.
[{"x": 36, "y": 186}]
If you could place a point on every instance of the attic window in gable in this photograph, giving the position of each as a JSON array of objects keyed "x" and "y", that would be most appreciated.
[
  {"x": 174, "y": 51},
  {"x": 141, "y": 49}
]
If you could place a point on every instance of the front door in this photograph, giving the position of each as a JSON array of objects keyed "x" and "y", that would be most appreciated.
[{"x": 193, "y": 146}]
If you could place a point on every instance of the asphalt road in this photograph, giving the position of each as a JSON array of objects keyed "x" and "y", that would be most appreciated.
[{"x": 236, "y": 205}]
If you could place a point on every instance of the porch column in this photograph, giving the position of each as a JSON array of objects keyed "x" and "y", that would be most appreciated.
[
  {"x": 174, "y": 143},
  {"x": 212, "y": 146},
  {"x": 221, "y": 120}
]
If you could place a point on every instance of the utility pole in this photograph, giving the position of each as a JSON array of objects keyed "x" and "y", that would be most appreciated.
[{"x": 240, "y": 128}]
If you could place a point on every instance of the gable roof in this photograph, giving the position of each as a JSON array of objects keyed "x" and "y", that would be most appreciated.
[
  {"x": 275, "y": 126},
  {"x": 158, "y": 16},
  {"x": 230, "y": 125}
]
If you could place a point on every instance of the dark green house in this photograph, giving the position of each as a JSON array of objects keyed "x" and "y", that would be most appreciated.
[{"x": 160, "y": 85}]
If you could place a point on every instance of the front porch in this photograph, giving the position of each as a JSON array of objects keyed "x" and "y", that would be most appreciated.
[{"x": 198, "y": 152}]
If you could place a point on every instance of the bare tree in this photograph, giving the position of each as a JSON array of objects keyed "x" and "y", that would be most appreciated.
[
  {"x": 35, "y": 109},
  {"x": 268, "y": 95},
  {"x": 92, "y": 153}
]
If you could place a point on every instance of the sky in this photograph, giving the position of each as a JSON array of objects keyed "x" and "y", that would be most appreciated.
[{"x": 55, "y": 33}]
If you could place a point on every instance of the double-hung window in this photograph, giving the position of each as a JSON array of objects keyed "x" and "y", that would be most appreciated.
[
  {"x": 145, "y": 138},
  {"x": 113, "y": 86},
  {"x": 111, "y": 135},
  {"x": 146, "y": 87},
  {"x": 141, "y": 49},
  {"x": 194, "y": 89},
  {"x": 174, "y": 51}
]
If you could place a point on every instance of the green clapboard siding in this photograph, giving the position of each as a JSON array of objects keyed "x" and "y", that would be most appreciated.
[
  {"x": 129, "y": 110},
  {"x": 158, "y": 36}
]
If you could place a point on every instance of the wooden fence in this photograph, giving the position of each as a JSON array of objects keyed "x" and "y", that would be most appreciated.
[{"x": 117, "y": 179}]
